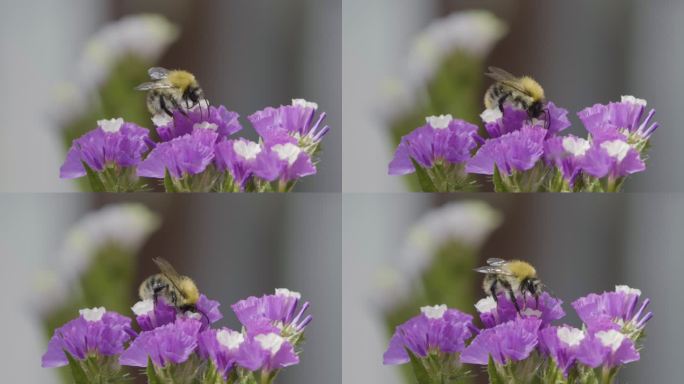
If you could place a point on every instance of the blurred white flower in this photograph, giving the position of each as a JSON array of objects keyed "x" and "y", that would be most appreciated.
[
  {"x": 466, "y": 222},
  {"x": 473, "y": 32},
  {"x": 126, "y": 226},
  {"x": 49, "y": 292},
  {"x": 145, "y": 36}
]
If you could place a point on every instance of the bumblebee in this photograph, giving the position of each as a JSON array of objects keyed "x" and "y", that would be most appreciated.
[
  {"x": 512, "y": 277},
  {"x": 179, "y": 291},
  {"x": 171, "y": 91},
  {"x": 521, "y": 92}
]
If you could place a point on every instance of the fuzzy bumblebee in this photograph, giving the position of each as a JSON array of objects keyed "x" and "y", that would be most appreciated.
[
  {"x": 513, "y": 278},
  {"x": 179, "y": 291},
  {"x": 171, "y": 90},
  {"x": 521, "y": 92}
]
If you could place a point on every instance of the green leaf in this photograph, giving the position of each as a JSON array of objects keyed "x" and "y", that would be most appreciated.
[
  {"x": 494, "y": 376},
  {"x": 168, "y": 182},
  {"x": 94, "y": 179},
  {"x": 497, "y": 179},
  {"x": 152, "y": 377},
  {"x": 77, "y": 371},
  {"x": 424, "y": 179},
  {"x": 419, "y": 370}
]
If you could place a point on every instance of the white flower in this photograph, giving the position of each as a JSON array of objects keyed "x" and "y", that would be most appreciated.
[
  {"x": 486, "y": 305},
  {"x": 304, "y": 104},
  {"x": 570, "y": 336},
  {"x": 627, "y": 290},
  {"x": 126, "y": 226},
  {"x": 143, "y": 307},
  {"x": 439, "y": 122},
  {"x": 287, "y": 151},
  {"x": 205, "y": 125},
  {"x": 472, "y": 32},
  {"x": 531, "y": 312},
  {"x": 434, "y": 312},
  {"x": 617, "y": 149},
  {"x": 576, "y": 146},
  {"x": 111, "y": 125},
  {"x": 270, "y": 342},
  {"x": 611, "y": 338},
  {"x": 248, "y": 150},
  {"x": 491, "y": 115},
  {"x": 230, "y": 339},
  {"x": 50, "y": 292},
  {"x": 633, "y": 100},
  {"x": 161, "y": 120},
  {"x": 284, "y": 292},
  {"x": 92, "y": 314}
]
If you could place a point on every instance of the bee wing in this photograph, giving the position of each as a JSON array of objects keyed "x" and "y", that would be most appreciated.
[
  {"x": 504, "y": 77},
  {"x": 496, "y": 261},
  {"x": 494, "y": 270},
  {"x": 499, "y": 74},
  {"x": 152, "y": 85},
  {"x": 167, "y": 270},
  {"x": 158, "y": 73}
]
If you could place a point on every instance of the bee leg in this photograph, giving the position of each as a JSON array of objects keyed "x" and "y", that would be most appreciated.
[
  {"x": 511, "y": 294},
  {"x": 156, "y": 290},
  {"x": 179, "y": 107},
  {"x": 164, "y": 107}
]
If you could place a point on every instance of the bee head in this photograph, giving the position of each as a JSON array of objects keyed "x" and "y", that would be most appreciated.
[
  {"x": 536, "y": 109},
  {"x": 194, "y": 94},
  {"x": 532, "y": 285},
  {"x": 189, "y": 290}
]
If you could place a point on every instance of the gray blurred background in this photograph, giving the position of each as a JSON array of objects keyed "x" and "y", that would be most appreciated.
[
  {"x": 579, "y": 244},
  {"x": 233, "y": 248},
  {"x": 582, "y": 52},
  {"x": 247, "y": 54}
]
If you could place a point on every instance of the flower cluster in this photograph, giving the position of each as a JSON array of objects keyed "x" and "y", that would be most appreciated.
[
  {"x": 193, "y": 151},
  {"x": 525, "y": 155},
  {"x": 184, "y": 347},
  {"x": 524, "y": 344}
]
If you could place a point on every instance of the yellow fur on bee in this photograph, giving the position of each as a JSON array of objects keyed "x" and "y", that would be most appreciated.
[
  {"x": 189, "y": 290},
  {"x": 521, "y": 269},
  {"x": 532, "y": 87},
  {"x": 181, "y": 79}
]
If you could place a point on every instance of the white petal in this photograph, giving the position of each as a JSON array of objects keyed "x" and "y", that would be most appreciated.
[
  {"x": 439, "y": 122},
  {"x": 92, "y": 314},
  {"x": 111, "y": 125},
  {"x": 143, "y": 307},
  {"x": 434, "y": 312}
]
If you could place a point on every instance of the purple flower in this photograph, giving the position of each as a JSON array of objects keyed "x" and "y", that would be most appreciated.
[
  {"x": 567, "y": 154},
  {"x": 284, "y": 161},
  {"x": 218, "y": 119},
  {"x": 113, "y": 142},
  {"x": 619, "y": 120},
  {"x": 150, "y": 315},
  {"x": 169, "y": 344},
  {"x": 279, "y": 313},
  {"x": 608, "y": 348},
  {"x": 511, "y": 341},
  {"x": 436, "y": 329},
  {"x": 290, "y": 121},
  {"x": 239, "y": 157},
  {"x": 619, "y": 308},
  {"x": 613, "y": 158},
  {"x": 209, "y": 309},
  {"x": 499, "y": 123},
  {"x": 495, "y": 312},
  {"x": 442, "y": 139},
  {"x": 94, "y": 332},
  {"x": 561, "y": 344},
  {"x": 515, "y": 151},
  {"x": 222, "y": 347},
  {"x": 185, "y": 155},
  {"x": 267, "y": 352}
]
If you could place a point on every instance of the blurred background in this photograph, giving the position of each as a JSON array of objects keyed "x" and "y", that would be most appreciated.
[
  {"x": 232, "y": 248},
  {"x": 582, "y": 52},
  {"x": 66, "y": 66},
  {"x": 408, "y": 250}
]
